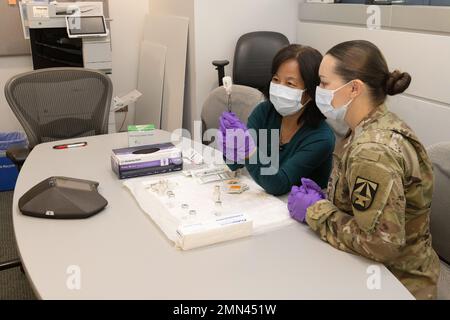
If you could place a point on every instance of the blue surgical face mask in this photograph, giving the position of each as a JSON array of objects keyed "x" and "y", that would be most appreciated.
[
  {"x": 324, "y": 97},
  {"x": 287, "y": 101}
]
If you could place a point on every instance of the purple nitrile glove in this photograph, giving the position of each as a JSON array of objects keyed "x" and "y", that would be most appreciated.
[
  {"x": 301, "y": 198},
  {"x": 310, "y": 185},
  {"x": 233, "y": 138},
  {"x": 229, "y": 120}
]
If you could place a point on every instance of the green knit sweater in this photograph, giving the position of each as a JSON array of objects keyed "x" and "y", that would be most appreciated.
[{"x": 308, "y": 154}]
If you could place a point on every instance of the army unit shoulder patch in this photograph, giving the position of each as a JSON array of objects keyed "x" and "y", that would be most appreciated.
[{"x": 363, "y": 194}]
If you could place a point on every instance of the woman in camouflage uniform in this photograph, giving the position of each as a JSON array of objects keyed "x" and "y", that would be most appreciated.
[{"x": 379, "y": 194}]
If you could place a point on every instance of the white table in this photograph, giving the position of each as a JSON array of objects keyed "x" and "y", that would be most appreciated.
[{"x": 122, "y": 254}]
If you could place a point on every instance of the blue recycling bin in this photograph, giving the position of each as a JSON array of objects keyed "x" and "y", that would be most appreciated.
[{"x": 8, "y": 171}]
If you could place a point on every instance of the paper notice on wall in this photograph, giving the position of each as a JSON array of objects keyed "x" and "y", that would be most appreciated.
[{"x": 40, "y": 12}]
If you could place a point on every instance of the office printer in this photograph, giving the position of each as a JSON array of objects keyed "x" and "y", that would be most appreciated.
[{"x": 67, "y": 34}]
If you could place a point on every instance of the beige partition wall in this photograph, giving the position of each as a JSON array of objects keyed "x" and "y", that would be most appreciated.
[
  {"x": 12, "y": 40},
  {"x": 170, "y": 32},
  {"x": 183, "y": 8},
  {"x": 152, "y": 69}
]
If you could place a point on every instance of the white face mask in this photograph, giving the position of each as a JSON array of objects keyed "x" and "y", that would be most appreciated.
[
  {"x": 324, "y": 97},
  {"x": 287, "y": 101}
]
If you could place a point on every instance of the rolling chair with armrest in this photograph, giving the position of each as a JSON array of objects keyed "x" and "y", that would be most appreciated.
[
  {"x": 253, "y": 59},
  {"x": 55, "y": 104},
  {"x": 58, "y": 103},
  {"x": 244, "y": 100},
  {"x": 440, "y": 213}
]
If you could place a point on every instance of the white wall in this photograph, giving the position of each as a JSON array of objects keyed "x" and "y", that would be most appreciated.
[
  {"x": 214, "y": 28},
  {"x": 183, "y": 8},
  {"x": 10, "y": 66},
  {"x": 127, "y": 33},
  {"x": 426, "y": 104},
  {"x": 219, "y": 24}
]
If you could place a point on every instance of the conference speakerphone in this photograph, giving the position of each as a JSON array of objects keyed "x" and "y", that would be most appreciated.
[{"x": 63, "y": 198}]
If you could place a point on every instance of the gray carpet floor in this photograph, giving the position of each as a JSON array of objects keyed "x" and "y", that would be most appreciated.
[{"x": 14, "y": 284}]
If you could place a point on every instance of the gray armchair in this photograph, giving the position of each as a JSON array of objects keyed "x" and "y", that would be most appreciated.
[{"x": 244, "y": 100}]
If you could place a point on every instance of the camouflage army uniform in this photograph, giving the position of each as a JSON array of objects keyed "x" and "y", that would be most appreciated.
[{"x": 379, "y": 199}]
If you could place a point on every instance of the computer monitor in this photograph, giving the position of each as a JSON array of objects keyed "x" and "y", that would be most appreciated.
[{"x": 86, "y": 26}]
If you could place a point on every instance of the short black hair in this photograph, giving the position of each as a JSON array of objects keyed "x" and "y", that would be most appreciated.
[{"x": 308, "y": 60}]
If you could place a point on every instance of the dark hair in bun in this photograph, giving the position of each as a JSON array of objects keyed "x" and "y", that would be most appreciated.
[
  {"x": 360, "y": 59},
  {"x": 397, "y": 82}
]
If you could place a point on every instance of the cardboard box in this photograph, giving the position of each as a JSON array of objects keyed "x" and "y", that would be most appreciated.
[{"x": 140, "y": 135}]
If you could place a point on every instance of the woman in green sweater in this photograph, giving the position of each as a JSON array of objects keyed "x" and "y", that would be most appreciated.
[{"x": 288, "y": 127}]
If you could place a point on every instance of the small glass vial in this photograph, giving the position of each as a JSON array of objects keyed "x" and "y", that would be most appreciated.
[
  {"x": 184, "y": 206},
  {"x": 217, "y": 196},
  {"x": 171, "y": 202}
]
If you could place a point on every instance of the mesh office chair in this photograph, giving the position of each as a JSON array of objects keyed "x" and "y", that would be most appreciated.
[
  {"x": 59, "y": 103},
  {"x": 440, "y": 213},
  {"x": 244, "y": 100},
  {"x": 253, "y": 59},
  {"x": 55, "y": 104}
]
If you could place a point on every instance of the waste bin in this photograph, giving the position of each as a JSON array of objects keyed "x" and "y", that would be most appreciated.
[{"x": 8, "y": 171}]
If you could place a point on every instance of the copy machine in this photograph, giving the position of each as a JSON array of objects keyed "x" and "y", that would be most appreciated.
[{"x": 67, "y": 34}]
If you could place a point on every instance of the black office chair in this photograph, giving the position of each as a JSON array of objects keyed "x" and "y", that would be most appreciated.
[
  {"x": 58, "y": 103},
  {"x": 253, "y": 59},
  {"x": 55, "y": 104}
]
